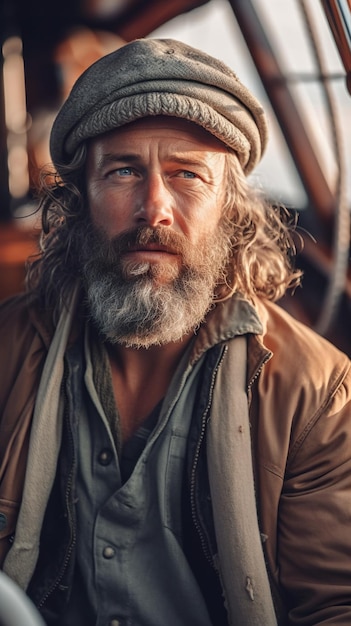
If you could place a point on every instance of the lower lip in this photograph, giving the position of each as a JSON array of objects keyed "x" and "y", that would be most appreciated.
[{"x": 151, "y": 256}]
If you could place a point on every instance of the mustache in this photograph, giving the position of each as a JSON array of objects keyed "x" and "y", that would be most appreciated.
[{"x": 144, "y": 235}]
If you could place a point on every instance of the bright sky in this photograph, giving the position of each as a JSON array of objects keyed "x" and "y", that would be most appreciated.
[{"x": 214, "y": 29}]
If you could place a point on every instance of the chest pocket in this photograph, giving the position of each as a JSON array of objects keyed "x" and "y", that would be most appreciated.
[{"x": 174, "y": 483}]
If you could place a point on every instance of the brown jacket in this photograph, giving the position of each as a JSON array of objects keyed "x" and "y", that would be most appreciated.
[{"x": 300, "y": 414}]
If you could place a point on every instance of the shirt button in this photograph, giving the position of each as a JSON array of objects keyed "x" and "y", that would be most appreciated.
[
  {"x": 105, "y": 457},
  {"x": 3, "y": 521},
  {"x": 108, "y": 552}
]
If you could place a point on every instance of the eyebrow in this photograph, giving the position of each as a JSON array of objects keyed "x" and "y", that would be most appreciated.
[
  {"x": 188, "y": 161},
  {"x": 113, "y": 157}
]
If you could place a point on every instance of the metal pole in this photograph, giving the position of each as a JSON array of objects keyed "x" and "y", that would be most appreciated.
[
  {"x": 284, "y": 106},
  {"x": 5, "y": 210},
  {"x": 16, "y": 609}
]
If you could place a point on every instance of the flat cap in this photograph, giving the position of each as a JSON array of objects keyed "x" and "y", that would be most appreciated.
[{"x": 160, "y": 77}]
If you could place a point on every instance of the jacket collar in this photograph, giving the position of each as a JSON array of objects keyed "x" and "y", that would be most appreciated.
[{"x": 225, "y": 321}]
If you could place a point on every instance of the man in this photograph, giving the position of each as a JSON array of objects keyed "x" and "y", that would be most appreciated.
[{"x": 175, "y": 448}]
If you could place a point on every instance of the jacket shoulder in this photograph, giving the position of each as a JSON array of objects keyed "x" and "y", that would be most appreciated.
[
  {"x": 14, "y": 311},
  {"x": 23, "y": 340},
  {"x": 299, "y": 349},
  {"x": 15, "y": 320},
  {"x": 20, "y": 316},
  {"x": 306, "y": 378}
]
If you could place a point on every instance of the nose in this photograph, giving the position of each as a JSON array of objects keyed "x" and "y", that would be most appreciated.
[{"x": 156, "y": 207}]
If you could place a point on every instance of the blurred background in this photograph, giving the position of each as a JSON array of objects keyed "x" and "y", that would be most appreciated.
[{"x": 294, "y": 55}]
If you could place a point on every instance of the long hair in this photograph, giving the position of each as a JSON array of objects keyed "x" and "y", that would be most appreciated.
[
  {"x": 52, "y": 273},
  {"x": 261, "y": 235},
  {"x": 263, "y": 240}
]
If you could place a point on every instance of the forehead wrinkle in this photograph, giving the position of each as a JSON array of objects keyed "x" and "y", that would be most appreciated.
[{"x": 112, "y": 157}]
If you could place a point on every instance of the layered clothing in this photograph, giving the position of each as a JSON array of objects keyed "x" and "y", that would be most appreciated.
[{"x": 268, "y": 462}]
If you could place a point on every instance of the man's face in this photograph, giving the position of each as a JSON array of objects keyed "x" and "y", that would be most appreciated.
[
  {"x": 156, "y": 172},
  {"x": 155, "y": 195}
]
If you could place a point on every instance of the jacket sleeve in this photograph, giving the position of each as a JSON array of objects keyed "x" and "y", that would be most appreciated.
[
  {"x": 301, "y": 433},
  {"x": 314, "y": 518},
  {"x": 21, "y": 360}
]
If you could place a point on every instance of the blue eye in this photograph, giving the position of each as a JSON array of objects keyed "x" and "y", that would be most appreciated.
[
  {"x": 124, "y": 171},
  {"x": 188, "y": 174}
]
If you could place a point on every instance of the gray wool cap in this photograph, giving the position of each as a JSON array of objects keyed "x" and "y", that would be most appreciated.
[{"x": 149, "y": 77}]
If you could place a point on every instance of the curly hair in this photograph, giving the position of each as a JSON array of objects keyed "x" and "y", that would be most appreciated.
[{"x": 261, "y": 236}]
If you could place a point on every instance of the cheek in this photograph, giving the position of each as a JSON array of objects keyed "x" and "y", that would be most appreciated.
[
  {"x": 205, "y": 223},
  {"x": 109, "y": 210},
  {"x": 201, "y": 213},
  {"x": 201, "y": 230}
]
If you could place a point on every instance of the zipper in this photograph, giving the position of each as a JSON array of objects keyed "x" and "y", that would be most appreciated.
[
  {"x": 204, "y": 421},
  {"x": 204, "y": 542},
  {"x": 259, "y": 369}
]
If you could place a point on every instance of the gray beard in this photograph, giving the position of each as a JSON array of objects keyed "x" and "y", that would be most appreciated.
[{"x": 128, "y": 303}]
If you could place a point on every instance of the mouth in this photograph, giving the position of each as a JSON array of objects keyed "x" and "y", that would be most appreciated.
[
  {"x": 150, "y": 252},
  {"x": 151, "y": 247},
  {"x": 158, "y": 262}
]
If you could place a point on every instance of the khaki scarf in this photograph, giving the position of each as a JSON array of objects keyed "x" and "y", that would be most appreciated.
[
  {"x": 240, "y": 556},
  {"x": 44, "y": 446}
]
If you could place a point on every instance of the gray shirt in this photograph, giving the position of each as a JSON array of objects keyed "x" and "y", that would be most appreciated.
[{"x": 130, "y": 534}]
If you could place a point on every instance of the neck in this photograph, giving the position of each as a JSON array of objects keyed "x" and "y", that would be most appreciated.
[{"x": 141, "y": 378}]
